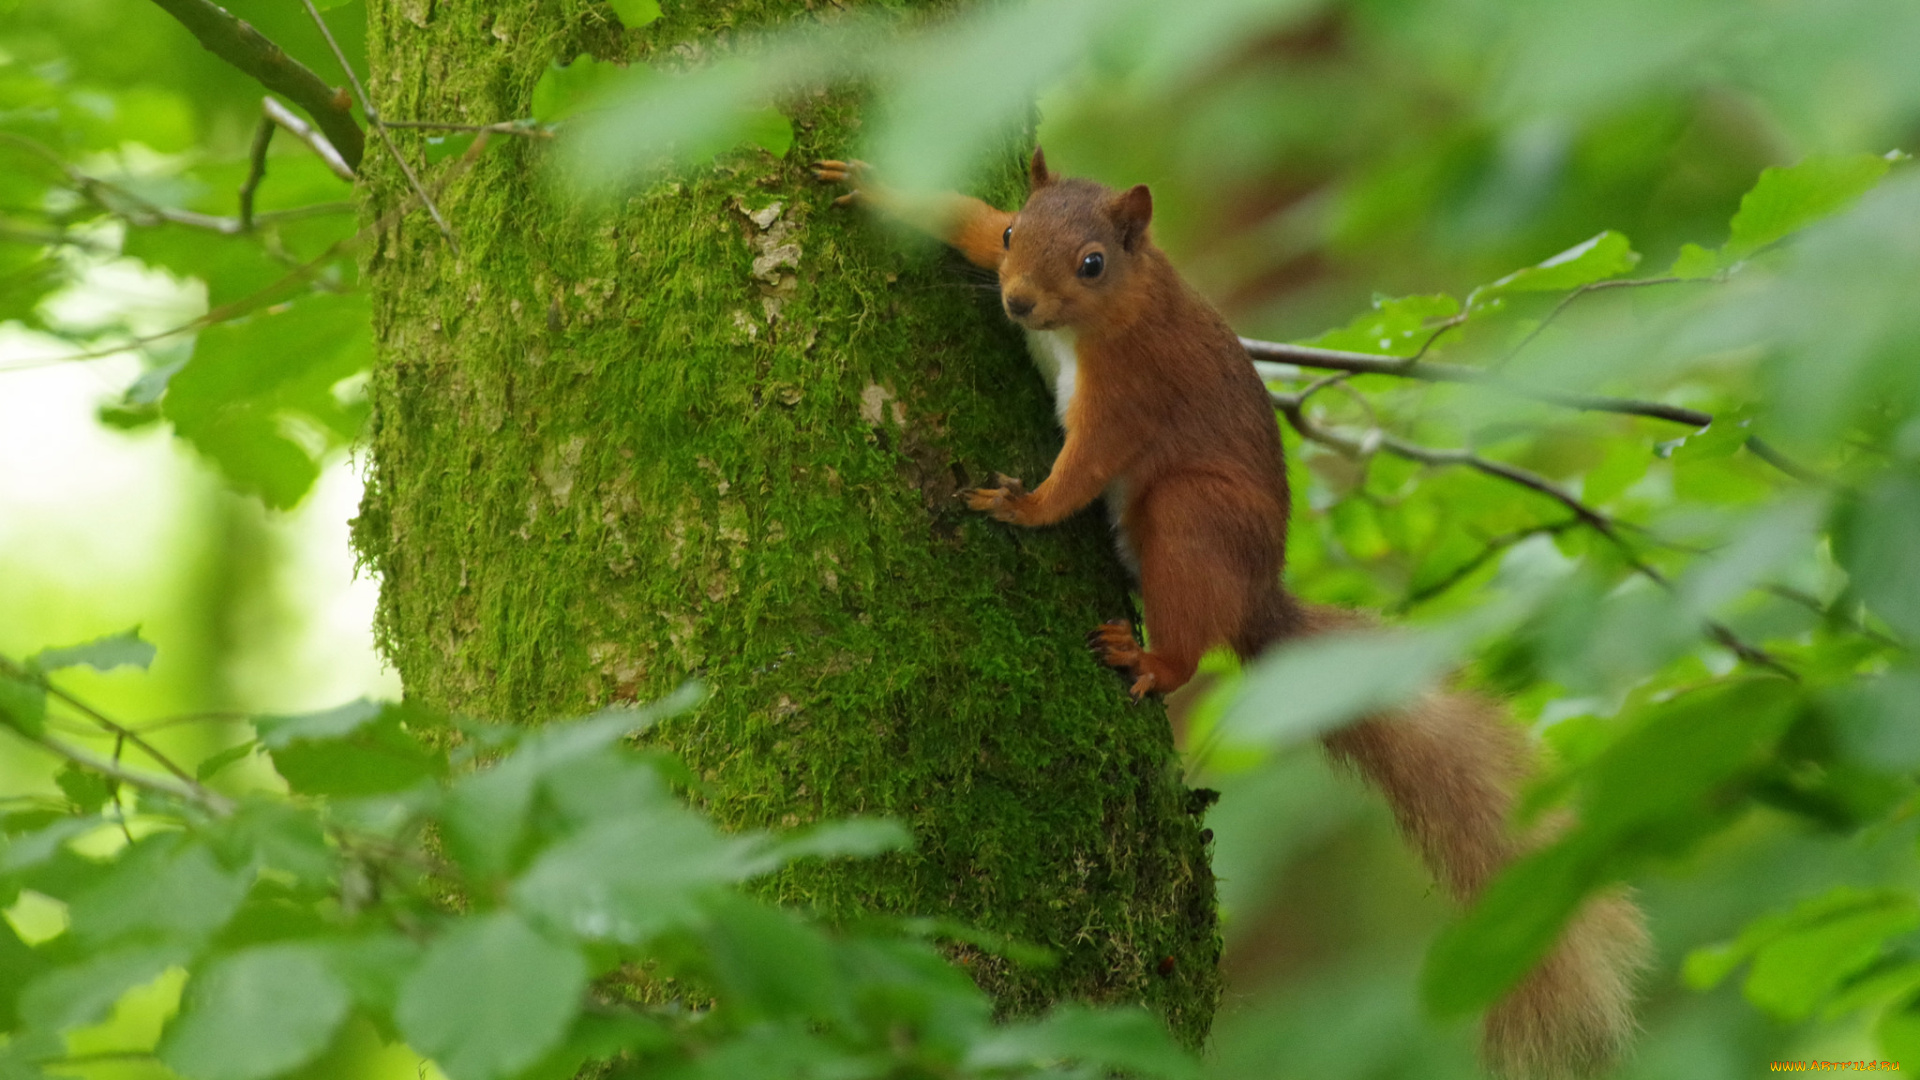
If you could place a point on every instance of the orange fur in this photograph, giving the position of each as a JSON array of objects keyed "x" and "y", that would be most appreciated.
[{"x": 1168, "y": 418}]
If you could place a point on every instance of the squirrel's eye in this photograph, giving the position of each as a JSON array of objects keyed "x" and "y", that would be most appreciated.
[
  {"x": 1091, "y": 266},
  {"x": 1006, "y": 238}
]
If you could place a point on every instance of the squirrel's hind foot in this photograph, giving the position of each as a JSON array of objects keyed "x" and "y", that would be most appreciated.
[{"x": 1113, "y": 642}]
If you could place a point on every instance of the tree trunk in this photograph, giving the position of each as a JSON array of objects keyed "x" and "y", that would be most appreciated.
[{"x": 608, "y": 457}]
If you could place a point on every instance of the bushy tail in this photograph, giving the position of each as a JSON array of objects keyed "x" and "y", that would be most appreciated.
[{"x": 1448, "y": 766}]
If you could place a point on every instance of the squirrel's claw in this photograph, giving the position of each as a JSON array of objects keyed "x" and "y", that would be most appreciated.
[
  {"x": 831, "y": 171},
  {"x": 1141, "y": 687},
  {"x": 1114, "y": 644},
  {"x": 1001, "y": 502}
]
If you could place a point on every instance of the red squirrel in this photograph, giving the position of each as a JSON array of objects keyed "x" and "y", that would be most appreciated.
[{"x": 1165, "y": 417}]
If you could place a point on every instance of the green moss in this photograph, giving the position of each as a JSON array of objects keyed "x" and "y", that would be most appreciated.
[{"x": 606, "y": 458}]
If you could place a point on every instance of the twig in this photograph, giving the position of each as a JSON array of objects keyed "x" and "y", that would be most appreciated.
[
  {"x": 1265, "y": 352},
  {"x": 244, "y": 47},
  {"x": 1493, "y": 546},
  {"x": 219, "y": 804},
  {"x": 273, "y": 114},
  {"x": 213, "y": 717},
  {"x": 373, "y": 118},
  {"x": 1438, "y": 333},
  {"x": 1290, "y": 407},
  {"x": 1765, "y": 452},
  {"x": 120, "y": 731},
  {"x": 256, "y": 170},
  {"x": 1589, "y": 287},
  {"x": 315, "y": 141},
  {"x": 1832, "y": 613},
  {"x": 122, "y": 734}
]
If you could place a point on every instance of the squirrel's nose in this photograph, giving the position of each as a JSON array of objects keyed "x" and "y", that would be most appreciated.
[{"x": 1019, "y": 306}]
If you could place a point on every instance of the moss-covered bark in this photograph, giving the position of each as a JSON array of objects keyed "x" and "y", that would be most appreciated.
[{"x": 607, "y": 457}]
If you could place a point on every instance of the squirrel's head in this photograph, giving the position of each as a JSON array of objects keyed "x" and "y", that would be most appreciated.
[{"x": 1074, "y": 250}]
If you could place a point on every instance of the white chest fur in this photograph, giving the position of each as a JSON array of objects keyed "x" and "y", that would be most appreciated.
[{"x": 1056, "y": 354}]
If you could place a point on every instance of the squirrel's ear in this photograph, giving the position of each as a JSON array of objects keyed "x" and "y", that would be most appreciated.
[
  {"x": 1038, "y": 170},
  {"x": 1131, "y": 210}
]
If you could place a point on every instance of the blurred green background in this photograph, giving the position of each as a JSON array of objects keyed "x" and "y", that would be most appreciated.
[{"x": 1307, "y": 159}]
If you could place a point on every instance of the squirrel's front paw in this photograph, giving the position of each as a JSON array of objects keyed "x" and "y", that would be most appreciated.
[
  {"x": 852, "y": 173},
  {"x": 1003, "y": 502}
]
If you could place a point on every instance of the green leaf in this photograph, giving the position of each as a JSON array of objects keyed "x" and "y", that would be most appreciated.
[
  {"x": 164, "y": 885},
  {"x": 272, "y": 834},
  {"x": 41, "y": 845},
  {"x": 1604, "y": 256},
  {"x": 23, "y": 704},
  {"x": 636, "y": 13},
  {"x": 1306, "y": 687},
  {"x": 1709, "y": 965},
  {"x": 771, "y": 965},
  {"x": 232, "y": 755},
  {"x": 375, "y": 967},
  {"x": 1513, "y": 924},
  {"x": 1877, "y": 728},
  {"x": 1873, "y": 539},
  {"x": 100, "y": 654},
  {"x": 768, "y": 128},
  {"x": 1127, "y": 1040},
  {"x": 1764, "y": 543},
  {"x": 247, "y": 376},
  {"x": 362, "y": 748},
  {"x": 1695, "y": 263},
  {"x": 335, "y": 723},
  {"x": 491, "y": 997},
  {"x": 1802, "y": 966},
  {"x": 627, "y": 879},
  {"x": 1788, "y": 199},
  {"x": 88, "y": 791},
  {"x": 565, "y": 89},
  {"x": 255, "y": 1014},
  {"x": 233, "y": 267},
  {"x": 20, "y": 964},
  {"x": 81, "y": 993},
  {"x": 1393, "y": 328},
  {"x": 1898, "y": 1032},
  {"x": 486, "y": 812}
]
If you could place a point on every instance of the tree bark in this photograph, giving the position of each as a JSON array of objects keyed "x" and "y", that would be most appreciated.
[{"x": 608, "y": 455}]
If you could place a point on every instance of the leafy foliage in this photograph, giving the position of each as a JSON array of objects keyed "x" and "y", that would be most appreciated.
[{"x": 521, "y": 904}]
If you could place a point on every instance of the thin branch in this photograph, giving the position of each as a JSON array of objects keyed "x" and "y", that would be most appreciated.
[
  {"x": 373, "y": 117},
  {"x": 1291, "y": 407},
  {"x": 219, "y": 804},
  {"x": 1438, "y": 333},
  {"x": 1589, "y": 287},
  {"x": 1765, "y": 452},
  {"x": 1833, "y": 613},
  {"x": 1269, "y": 352},
  {"x": 1492, "y": 547},
  {"x": 315, "y": 141},
  {"x": 256, "y": 170},
  {"x": 120, "y": 731},
  {"x": 239, "y": 44}
]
